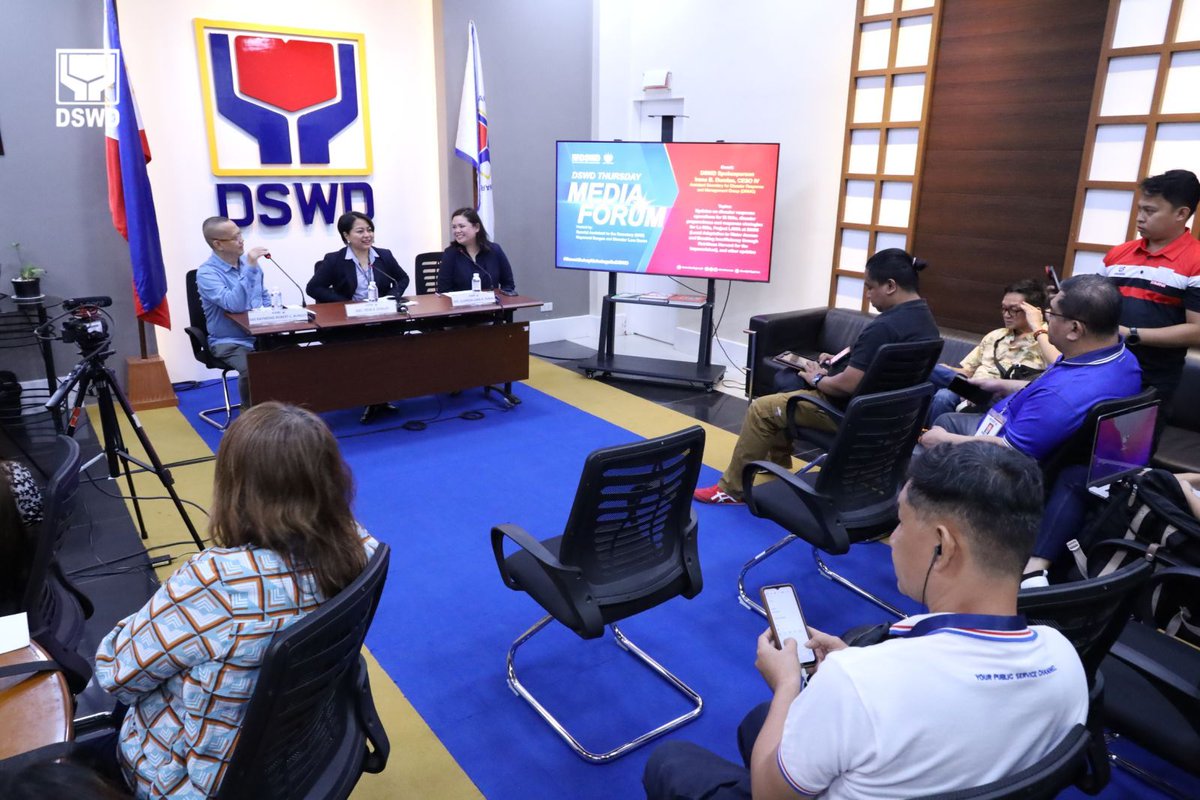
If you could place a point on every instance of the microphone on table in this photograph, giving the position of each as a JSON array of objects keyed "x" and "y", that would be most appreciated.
[
  {"x": 484, "y": 274},
  {"x": 303, "y": 301},
  {"x": 400, "y": 306}
]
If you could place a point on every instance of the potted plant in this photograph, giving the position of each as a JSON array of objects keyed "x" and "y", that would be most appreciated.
[{"x": 28, "y": 283}]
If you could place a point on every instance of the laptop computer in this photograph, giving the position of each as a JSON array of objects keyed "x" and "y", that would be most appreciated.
[{"x": 1123, "y": 444}]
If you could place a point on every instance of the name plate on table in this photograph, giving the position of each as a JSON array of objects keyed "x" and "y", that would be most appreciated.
[
  {"x": 370, "y": 308},
  {"x": 470, "y": 298},
  {"x": 276, "y": 316}
]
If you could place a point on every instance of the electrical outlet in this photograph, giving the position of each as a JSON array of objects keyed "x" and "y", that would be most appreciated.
[{"x": 547, "y": 307}]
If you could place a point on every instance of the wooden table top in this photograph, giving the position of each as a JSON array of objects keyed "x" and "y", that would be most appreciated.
[
  {"x": 37, "y": 710},
  {"x": 424, "y": 306}
]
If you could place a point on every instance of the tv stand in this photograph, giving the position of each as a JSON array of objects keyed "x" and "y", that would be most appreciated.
[{"x": 607, "y": 363}]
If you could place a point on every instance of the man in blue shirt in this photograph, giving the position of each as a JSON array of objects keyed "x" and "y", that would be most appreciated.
[
  {"x": 230, "y": 281},
  {"x": 1038, "y": 418}
]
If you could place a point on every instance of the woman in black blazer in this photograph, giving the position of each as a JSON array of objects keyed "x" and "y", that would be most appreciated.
[
  {"x": 471, "y": 252},
  {"x": 344, "y": 274}
]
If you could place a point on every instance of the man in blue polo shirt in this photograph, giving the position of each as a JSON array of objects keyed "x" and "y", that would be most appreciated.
[
  {"x": 958, "y": 697},
  {"x": 1037, "y": 418},
  {"x": 230, "y": 281}
]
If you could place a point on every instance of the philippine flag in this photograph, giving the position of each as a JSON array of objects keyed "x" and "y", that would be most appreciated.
[
  {"x": 129, "y": 197},
  {"x": 471, "y": 143}
]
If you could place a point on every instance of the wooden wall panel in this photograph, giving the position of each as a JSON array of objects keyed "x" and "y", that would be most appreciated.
[{"x": 1007, "y": 126}]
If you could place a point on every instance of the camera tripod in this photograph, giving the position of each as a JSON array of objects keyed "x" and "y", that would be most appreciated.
[{"x": 89, "y": 373}]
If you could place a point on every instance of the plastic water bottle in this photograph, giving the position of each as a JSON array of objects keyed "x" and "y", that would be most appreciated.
[
  {"x": 475, "y": 282},
  {"x": 372, "y": 292},
  {"x": 276, "y": 298}
]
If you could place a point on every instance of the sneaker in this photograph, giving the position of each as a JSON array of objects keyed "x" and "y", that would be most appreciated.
[
  {"x": 1035, "y": 579},
  {"x": 715, "y": 496}
]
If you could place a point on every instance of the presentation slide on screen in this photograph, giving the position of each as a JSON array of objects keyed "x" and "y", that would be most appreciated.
[{"x": 684, "y": 209}]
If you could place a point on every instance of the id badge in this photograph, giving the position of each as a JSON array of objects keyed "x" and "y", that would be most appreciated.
[{"x": 991, "y": 424}]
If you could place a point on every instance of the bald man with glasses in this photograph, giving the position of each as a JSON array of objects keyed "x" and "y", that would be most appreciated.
[{"x": 230, "y": 281}]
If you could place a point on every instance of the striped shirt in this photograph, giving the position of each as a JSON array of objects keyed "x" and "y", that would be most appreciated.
[
  {"x": 187, "y": 663},
  {"x": 1157, "y": 289}
]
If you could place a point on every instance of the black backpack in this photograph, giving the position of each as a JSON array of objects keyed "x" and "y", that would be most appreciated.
[{"x": 1149, "y": 509}]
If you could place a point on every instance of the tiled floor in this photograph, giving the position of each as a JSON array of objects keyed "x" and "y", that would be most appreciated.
[{"x": 724, "y": 407}]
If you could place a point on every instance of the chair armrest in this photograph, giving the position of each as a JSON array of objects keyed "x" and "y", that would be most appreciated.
[
  {"x": 199, "y": 342},
  {"x": 839, "y": 538},
  {"x": 530, "y": 545},
  {"x": 788, "y": 330},
  {"x": 834, "y": 413}
]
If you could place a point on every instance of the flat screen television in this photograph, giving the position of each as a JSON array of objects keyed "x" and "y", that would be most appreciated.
[{"x": 683, "y": 209}]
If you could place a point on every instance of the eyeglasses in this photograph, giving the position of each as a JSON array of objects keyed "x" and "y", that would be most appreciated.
[
  {"x": 1050, "y": 313},
  {"x": 237, "y": 238},
  {"x": 1012, "y": 310}
]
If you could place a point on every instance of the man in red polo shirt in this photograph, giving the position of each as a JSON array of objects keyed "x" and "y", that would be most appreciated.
[{"x": 1159, "y": 279}]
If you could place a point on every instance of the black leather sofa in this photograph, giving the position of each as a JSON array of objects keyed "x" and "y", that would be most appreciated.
[{"x": 822, "y": 330}]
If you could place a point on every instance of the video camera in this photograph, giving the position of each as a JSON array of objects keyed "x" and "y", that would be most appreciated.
[{"x": 86, "y": 325}]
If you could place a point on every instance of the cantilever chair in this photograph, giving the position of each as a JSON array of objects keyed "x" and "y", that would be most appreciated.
[
  {"x": 57, "y": 609},
  {"x": 855, "y": 495},
  {"x": 629, "y": 545},
  {"x": 197, "y": 332},
  {"x": 1071, "y": 763},
  {"x": 311, "y": 716},
  {"x": 425, "y": 269},
  {"x": 895, "y": 366}
]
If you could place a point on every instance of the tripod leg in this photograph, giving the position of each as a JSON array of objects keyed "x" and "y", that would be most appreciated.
[
  {"x": 164, "y": 474},
  {"x": 82, "y": 386},
  {"x": 114, "y": 451}
]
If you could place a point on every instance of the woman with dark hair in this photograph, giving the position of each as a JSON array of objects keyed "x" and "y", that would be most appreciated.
[
  {"x": 345, "y": 274},
  {"x": 471, "y": 253},
  {"x": 187, "y": 663}
]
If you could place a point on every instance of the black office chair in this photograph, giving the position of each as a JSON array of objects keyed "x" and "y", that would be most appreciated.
[
  {"x": 895, "y": 366},
  {"x": 855, "y": 495},
  {"x": 1068, "y": 764},
  {"x": 629, "y": 545},
  {"x": 425, "y": 269},
  {"x": 311, "y": 716},
  {"x": 56, "y": 608},
  {"x": 197, "y": 332},
  {"x": 1154, "y": 674}
]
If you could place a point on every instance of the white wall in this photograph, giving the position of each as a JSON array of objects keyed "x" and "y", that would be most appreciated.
[
  {"x": 758, "y": 71},
  {"x": 162, "y": 61}
]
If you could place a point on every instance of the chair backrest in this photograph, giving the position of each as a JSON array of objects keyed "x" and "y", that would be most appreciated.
[
  {"x": 42, "y": 602},
  {"x": 425, "y": 268},
  {"x": 1090, "y": 613},
  {"x": 56, "y": 609},
  {"x": 1060, "y": 768},
  {"x": 899, "y": 365},
  {"x": 864, "y": 470},
  {"x": 296, "y": 723},
  {"x": 631, "y": 530},
  {"x": 195, "y": 307}
]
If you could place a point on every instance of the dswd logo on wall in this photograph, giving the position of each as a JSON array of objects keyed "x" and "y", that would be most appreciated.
[
  {"x": 87, "y": 82},
  {"x": 284, "y": 101}
]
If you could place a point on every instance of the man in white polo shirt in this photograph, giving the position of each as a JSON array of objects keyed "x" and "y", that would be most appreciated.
[{"x": 958, "y": 697}]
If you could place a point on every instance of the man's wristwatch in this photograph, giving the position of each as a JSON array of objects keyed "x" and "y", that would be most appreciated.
[
  {"x": 1134, "y": 337},
  {"x": 817, "y": 379}
]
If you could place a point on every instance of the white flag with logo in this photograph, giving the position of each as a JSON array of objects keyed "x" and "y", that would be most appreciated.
[{"x": 471, "y": 143}]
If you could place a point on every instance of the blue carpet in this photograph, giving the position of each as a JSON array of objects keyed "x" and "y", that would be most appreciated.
[{"x": 446, "y": 620}]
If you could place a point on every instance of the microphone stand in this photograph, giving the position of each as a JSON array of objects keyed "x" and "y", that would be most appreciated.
[{"x": 303, "y": 300}]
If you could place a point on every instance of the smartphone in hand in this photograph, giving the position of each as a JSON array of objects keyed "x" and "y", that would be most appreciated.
[{"x": 787, "y": 620}]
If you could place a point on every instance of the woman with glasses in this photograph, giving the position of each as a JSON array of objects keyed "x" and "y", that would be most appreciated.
[{"x": 1020, "y": 350}]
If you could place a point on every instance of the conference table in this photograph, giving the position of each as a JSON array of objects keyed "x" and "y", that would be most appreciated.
[
  {"x": 337, "y": 361},
  {"x": 36, "y": 709}
]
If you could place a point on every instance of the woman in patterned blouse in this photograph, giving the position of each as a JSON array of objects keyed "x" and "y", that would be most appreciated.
[
  {"x": 187, "y": 663},
  {"x": 20, "y": 513}
]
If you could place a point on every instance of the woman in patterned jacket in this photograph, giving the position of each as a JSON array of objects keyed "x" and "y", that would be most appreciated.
[{"x": 187, "y": 663}]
